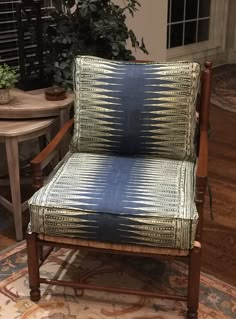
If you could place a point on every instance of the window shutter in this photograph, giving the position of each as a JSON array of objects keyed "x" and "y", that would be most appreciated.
[{"x": 9, "y": 52}]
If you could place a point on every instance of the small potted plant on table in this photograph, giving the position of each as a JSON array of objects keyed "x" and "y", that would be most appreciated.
[{"x": 8, "y": 78}]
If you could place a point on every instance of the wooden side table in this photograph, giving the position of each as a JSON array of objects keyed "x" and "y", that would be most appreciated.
[
  {"x": 12, "y": 132},
  {"x": 32, "y": 105}
]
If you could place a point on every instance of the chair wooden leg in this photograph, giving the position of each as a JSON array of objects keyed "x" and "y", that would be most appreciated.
[
  {"x": 33, "y": 266},
  {"x": 194, "y": 281}
]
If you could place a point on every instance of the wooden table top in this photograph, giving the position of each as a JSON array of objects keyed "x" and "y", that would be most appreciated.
[
  {"x": 32, "y": 104},
  {"x": 17, "y": 128}
]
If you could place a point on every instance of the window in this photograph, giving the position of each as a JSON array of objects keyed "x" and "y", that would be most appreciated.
[
  {"x": 8, "y": 31},
  {"x": 188, "y": 22},
  {"x": 209, "y": 22}
]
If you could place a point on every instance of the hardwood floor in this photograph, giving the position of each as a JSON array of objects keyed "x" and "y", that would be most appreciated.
[
  {"x": 222, "y": 165},
  {"x": 219, "y": 249},
  {"x": 219, "y": 252}
]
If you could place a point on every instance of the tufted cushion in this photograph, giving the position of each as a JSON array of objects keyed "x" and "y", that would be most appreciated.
[
  {"x": 135, "y": 109},
  {"x": 118, "y": 199}
]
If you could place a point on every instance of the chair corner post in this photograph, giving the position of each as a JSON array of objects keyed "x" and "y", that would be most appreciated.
[
  {"x": 33, "y": 265},
  {"x": 194, "y": 281},
  {"x": 37, "y": 176},
  {"x": 205, "y": 96},
  {"x": 201, "y": 185}
]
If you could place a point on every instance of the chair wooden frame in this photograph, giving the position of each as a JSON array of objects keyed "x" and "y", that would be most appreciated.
[{"x": 35, "y": 242}]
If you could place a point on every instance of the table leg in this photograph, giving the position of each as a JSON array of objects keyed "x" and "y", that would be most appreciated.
[
  {"x": 64, "y": 117},
  {"x": 42, "y": 142},
  {"x": 14, "y": 175}
]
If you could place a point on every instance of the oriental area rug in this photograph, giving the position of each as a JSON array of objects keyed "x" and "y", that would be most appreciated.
[
  {"x": 224, "y": 87},
  {"x": 217, "y": 299}
]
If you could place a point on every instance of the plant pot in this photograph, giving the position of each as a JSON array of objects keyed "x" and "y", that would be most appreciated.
[{"x": 5, "y": 96}]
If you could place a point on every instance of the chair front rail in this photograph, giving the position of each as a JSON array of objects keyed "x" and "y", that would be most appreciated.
[{"x": 76, "y": 243}]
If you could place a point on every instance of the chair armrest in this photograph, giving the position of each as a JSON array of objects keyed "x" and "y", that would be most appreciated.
[
  {"x": 40, "y": 161},
  {"x": 204, "y": 121}
]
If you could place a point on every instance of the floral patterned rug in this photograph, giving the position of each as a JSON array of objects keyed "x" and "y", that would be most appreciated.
[
  {"x": 217, "y": 299},
  {"x": 224, "y": 87}
]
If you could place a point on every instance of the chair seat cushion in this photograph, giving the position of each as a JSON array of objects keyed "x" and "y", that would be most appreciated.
[{"x": 118, "y": 199}]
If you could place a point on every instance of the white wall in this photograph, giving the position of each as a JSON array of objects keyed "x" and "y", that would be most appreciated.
[
  {"x": 150, "y": 23},
  {"x": 231, "y": 33}
]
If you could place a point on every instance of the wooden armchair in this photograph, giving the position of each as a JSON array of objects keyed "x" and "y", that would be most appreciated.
[{"x": 131, "y": 165}]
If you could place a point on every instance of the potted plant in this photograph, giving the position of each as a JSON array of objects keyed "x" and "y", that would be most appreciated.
[
  {"x": 8, "y": 78},
  {"x": 87, "y": 27}
]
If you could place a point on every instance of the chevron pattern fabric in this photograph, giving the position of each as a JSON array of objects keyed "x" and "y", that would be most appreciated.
[
  {"x": 118, "y": 199},
  {"x": 129, "y": 176},
  {"x": 135, "y": 109}
]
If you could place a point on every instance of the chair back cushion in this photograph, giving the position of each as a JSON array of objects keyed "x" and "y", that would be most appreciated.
[{"x": 130, "y": 108}]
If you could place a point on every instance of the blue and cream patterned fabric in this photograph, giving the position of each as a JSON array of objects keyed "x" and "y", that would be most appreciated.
[
  {"x": 129, "y": 177},
  {"x": 118, "y": 199},
  {"x": 135, "y": 109}
]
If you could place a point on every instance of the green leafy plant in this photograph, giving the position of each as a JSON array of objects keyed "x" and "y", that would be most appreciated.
[
  {"x": 87, "y": 27},
  {"x": 8, "y": 77}
]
